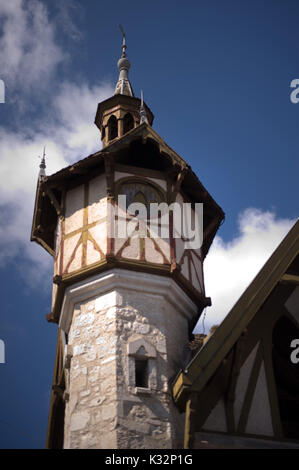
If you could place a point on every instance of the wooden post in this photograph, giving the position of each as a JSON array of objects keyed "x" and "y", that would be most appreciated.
[{"x": 190, "y": 420}]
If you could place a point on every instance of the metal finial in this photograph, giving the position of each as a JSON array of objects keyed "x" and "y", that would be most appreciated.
[
  {"x": 124, "y": 46},
  {"x": 123, "y": 86},
  {"x": 42, "y": 166},
  {"x": 143, "y": 116}
]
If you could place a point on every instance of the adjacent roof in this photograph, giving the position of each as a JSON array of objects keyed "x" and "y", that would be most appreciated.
[{"x": 282, "y": 267}]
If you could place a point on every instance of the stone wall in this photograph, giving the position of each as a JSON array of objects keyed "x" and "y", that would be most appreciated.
[{"x": 112, "y": 318}]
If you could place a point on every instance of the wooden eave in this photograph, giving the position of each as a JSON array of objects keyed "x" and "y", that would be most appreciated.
[
  {"x": 205, "y": 363},
  {"x": 38, "y": 232},
  {"x": 74, "y": 175}
]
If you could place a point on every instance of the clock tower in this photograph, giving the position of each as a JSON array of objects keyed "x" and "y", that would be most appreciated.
[{"x": 127, "y": 290}]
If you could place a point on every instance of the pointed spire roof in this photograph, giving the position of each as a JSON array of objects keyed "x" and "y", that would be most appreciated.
[
  {"x": 42, "y": 167},
  {"x": 123, "y": 86},
  {"x": 142, "y": 112}
]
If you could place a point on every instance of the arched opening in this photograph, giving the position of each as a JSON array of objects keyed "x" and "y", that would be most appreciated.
[
  {"x": 144, "y": 193},
  {"x": 141, "y": 372},
  {"x": 286, "y": 375},
  {"x": 128, "y": 123},
  {"x": 112, "y": 128}
]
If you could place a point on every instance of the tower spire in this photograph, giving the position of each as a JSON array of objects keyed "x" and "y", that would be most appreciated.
[
  {"x": 123, "y": 86},
  {"x": 42, "y": 166},
  {"x": 142, "y": 112}
]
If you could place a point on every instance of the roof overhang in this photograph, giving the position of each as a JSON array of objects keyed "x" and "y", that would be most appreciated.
[{"x": 167, "y": 161}]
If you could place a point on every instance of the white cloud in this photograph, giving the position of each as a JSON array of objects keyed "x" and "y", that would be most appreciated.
[
  {"x": 30, "y": 56},
  {"x": 75, "y": 106},
  {"x": 71, "y": 136},
  {"x": 66, "y": 10},
  {"x": 29, "y": 52},
  {"x": 231, "y": 266}
]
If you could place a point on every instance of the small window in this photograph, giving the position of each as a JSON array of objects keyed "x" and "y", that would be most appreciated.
[
  {"x": 128, "y": 123},
  {"x": 112, "y": 128},
  {"x": 141, "y": 373}
]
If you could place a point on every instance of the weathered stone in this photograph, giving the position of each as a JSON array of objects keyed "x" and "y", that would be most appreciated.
[
  {"x": 103, "y": 374},
  {"x": 79, "y": 421},
  {"x": 141, "y": 328}
]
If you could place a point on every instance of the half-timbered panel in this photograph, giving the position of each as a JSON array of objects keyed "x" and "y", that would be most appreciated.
[{"x": 244, "y": 380}]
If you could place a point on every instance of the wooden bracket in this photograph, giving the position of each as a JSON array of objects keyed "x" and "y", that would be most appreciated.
[
  {"x": 190, "y": 420},
  {"x": 57, "y": 279},
  {"x": 177, "y": 185},
  {"x": 50, "y": 317},
  {"x": 76, "y": 170},
  {"x": 54, "y": 202},
  {"x": 290, "y": 279},
  {"x": 109, "y": 170}
]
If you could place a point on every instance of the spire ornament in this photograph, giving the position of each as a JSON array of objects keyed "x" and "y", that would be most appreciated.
[
  {"x": 42, "y": 166},
  {"x": 142, "y": 112},
  {"x": 123, "y": 86}
]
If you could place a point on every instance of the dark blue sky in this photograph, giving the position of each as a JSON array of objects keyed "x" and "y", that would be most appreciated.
[{"x": 216, "y": 75}]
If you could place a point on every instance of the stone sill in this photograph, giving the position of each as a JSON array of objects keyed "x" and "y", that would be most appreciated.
[{"x": 142, "y": 390}]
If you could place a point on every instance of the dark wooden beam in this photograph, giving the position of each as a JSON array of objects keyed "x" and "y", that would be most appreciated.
[
  {"x": 290, "y": 279},
  {"x": 190, "y": 420},
  {"x": 54, "y": 202},
  {"x": 76, "y": 170}
]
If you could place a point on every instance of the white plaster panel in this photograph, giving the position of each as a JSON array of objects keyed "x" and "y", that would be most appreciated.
[
  {"x": 151, "y": 254},
  {"x": 198, "y": 268},
  {"x": 159, "y": 182},
  {"x": 97, "y": 199},
  {"x": 195, "y": 282},
  {"x": 185, "y": 268},
  {"x": 260, "y": 420},
  {"x": 179, "y": 198},
  {"x": 92, "y": 255},
  {"x": 132, "y": 251},
  {"x": 77, "y": 261},
  {"x": 68, "y": 249},
  {"x": 242, "y": 382},
  {"x": 99, "y": 233},
  {"x": 216, "y": 420},
  {"x": 179, "y": 249},
  {"x": 292, "y": 304},
  {"x": 74, "y": 209},
  {"x": 164, "y": 246},
  {"x": 119, "y": 174}
]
